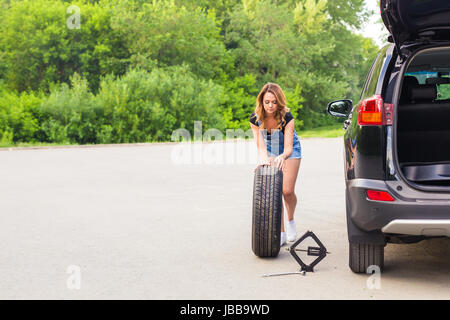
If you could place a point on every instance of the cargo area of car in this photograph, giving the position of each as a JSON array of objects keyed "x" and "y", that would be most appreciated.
[{"x": 423, "y": 119}]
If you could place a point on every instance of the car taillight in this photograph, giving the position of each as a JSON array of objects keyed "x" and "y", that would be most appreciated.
[
  {"x": 371, "y": 111},
  {"x": 379, "y": 195}
]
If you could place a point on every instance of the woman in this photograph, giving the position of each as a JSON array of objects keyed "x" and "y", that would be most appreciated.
[{"x": 278, "y": 144}]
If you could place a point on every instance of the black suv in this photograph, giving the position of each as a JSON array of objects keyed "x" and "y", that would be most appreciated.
[{"x": 397, "y": 138}]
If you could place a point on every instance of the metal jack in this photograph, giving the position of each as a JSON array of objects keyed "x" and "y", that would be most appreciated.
[{"x": 320, "y": 252}]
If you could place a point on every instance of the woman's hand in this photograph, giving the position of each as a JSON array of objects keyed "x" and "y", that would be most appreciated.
[
  {"x": 280, "y": 161},
  {"x": 263, "y": 162}
]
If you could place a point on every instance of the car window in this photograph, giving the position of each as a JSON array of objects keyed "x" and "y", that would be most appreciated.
[
  {"x": 443, "y": 91},
  {"x": 441, "y": 79},
  {"x": 422, "y": 76},
  {"x": 372, "y": 81},
  {"x": 369, "y": 76}
]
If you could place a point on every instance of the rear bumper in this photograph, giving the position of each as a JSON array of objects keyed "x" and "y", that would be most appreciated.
[
  {"x": 402, "y": 216},
  {"x": 418, "y": 227}
]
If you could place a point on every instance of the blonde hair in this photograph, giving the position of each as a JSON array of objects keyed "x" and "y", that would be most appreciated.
[{"x": 260, "y": 113}]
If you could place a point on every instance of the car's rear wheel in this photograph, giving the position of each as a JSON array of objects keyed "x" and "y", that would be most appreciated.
[
  {"x": 363, "y": 255},
  {"x": 365, "y": 248},
  {"x": 267, "y": 204}
]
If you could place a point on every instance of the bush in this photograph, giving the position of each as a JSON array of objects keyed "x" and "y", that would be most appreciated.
[
  {"x": 140, "y": 106},
  {"x": 148, "y": 106},
  {"x": 70, "y": 115},
  {"x": 238, "y": 101},
  {"x": 18, "y": 116}
]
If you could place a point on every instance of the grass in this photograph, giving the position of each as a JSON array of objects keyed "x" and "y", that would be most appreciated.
[
  {"x": 333, "y": 131},
  {"x": 31, "y": 144}
]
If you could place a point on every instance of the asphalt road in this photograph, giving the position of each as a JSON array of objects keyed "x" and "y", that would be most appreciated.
[{"x": 136, "y": 222}]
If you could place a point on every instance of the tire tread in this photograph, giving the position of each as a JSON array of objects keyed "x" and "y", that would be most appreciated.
[
  {"x": 363, "y": 255},
  {"x": 266, "y": 216}
]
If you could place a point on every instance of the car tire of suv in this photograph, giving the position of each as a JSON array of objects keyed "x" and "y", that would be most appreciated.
[
  {"x": 267, "y": 206},
  {"x": 363, "y": 255}
]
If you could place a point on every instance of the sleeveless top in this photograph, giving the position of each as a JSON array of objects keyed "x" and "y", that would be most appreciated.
[
  {"x": 275, "y": 144},
  {"x": 288, "y": 117}
]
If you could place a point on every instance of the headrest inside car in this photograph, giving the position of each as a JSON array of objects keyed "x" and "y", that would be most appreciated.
[
  {"x": 410, "y": 80},
  {"x": 437, "y": 80},
  {"x": 423, "y": 92}
]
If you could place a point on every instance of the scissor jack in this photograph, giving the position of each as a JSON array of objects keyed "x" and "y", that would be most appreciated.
[{"x": 320, "y": 252}]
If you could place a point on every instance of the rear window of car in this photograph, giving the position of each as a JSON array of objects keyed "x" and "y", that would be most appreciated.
[{"x": 441, "y": 79}]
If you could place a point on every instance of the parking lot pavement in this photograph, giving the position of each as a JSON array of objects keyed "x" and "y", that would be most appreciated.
[{"x": 142, "y": 222}]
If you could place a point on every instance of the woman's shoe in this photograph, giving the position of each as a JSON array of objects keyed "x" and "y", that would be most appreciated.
[
  {"x": 283, "y": 239},
  {"x": 291, "y": 231}
]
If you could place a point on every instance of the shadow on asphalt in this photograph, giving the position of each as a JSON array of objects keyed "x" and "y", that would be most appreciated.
[{"x": 418, "y": 260}]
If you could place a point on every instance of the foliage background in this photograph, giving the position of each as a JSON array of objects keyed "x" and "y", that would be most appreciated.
[{"x": 136, "y": 70}]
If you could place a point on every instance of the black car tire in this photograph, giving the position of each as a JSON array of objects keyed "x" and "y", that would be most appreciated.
[
  {"x": 267, "y": 205},
  {"x": 363, "y": 255},
  {"x": 365, "y": 248}
]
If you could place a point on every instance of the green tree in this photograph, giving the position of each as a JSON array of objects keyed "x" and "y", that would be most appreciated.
[
  {"x": 37, "y": 48},
  {"x": 161, "y": 34},
  {"x": 220, "y": 7},
  {"x": 298, "y": 46}
]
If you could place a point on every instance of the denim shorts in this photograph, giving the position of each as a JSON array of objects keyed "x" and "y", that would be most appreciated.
[{"x": 276, "y": 139}]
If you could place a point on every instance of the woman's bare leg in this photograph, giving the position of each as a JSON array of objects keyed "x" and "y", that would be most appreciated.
[
  {"x": 289, "y": 199},
  {"x": 290, "y": 173}
]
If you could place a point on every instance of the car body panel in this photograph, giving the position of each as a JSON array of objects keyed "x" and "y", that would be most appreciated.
[
  {"x": 364, "y": 145},
  {"x": 369, "y": 215}
]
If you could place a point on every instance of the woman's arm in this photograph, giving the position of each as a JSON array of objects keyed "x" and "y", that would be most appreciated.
[
  {"x": 288, "y": 139},
  {"x": 260, "y": 144},
  {"x": 288, "y": 145}
]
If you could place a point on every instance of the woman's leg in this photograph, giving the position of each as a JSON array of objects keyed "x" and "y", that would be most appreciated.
[{"x": 290, "y": 173}]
